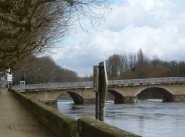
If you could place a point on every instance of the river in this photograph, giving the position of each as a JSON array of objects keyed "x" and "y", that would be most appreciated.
[{"x": 145, "y": 118}]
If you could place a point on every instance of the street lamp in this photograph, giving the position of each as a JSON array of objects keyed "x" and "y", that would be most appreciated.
[
  {"x": 111, "y": 72},
  {"x": 38, "y": 75},
  {"x": 177, "y": 69}
]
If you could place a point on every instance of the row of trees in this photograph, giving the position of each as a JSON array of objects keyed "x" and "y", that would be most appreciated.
[
  {"x": 42, "y": 70},
  {"x": 139, "y": 66}
]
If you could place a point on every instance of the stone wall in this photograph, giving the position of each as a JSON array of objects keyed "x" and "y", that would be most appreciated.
[
  {"x": 63, "y": 126},
  {"x": 89, "y": 127},
  {"x": 59, "y": 124}
]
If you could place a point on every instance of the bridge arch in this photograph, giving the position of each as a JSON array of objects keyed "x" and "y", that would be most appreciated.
[
  {"x": 156, "y": 93},
  {"x": 118, "y": 97},
  {"x": 76, "y": 97}
]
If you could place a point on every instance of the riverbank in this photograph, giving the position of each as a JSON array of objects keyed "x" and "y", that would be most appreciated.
[{"x": 16, "y": 121}]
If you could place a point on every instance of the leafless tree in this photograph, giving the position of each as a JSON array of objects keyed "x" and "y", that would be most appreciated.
[
  {"x": 29, "y": 26},
  {"x": 115, "y": 65}
]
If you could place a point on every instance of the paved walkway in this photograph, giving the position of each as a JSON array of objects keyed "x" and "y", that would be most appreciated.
[{"x": 16, "y": 121}]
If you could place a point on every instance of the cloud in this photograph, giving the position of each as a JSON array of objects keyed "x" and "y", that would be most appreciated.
[{"x": 155, "y": 26}]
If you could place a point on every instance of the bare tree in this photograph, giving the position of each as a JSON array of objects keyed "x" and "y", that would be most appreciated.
[
  {"x": 115, "y": 65},
  {"x": 29, "y": 26},
  {"x": 142, "y": 66}
]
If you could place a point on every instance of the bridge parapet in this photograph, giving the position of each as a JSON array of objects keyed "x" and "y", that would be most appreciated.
[
  {"x": 89, "y": 84},
  {"x": 48, "y": 86},
  {"x": 148, "y": 81}
]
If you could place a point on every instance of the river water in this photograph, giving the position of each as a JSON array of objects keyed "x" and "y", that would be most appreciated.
[{"x": 145, "y": 118}]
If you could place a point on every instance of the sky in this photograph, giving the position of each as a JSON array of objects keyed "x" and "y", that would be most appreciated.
[{"x": 155, "y": 26}]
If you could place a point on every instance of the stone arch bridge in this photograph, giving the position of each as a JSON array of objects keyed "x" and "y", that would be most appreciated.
[{"x": 171, "y": 89}]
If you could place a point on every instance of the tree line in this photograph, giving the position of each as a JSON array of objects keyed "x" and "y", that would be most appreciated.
[
  {"x": 138, "y": 65},
  {"x": 34, "y": 70}
]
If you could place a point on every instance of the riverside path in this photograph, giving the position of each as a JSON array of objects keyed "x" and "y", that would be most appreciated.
[{"x": 16, "y": 121}]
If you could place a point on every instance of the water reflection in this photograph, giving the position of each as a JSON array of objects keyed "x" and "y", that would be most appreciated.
[{"x": 146, "y": 118}]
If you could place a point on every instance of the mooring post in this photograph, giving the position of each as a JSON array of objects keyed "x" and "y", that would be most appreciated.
[
  {"x": 100, "y": 84},
  {"x": 102, "y": 89},
  {"x": 95, "y": 89}
]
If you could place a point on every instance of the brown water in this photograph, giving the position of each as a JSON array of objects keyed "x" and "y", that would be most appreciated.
[{"x": 145, "y": 118}]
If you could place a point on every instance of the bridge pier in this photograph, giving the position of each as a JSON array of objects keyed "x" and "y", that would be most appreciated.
[
  {"x": 179, "y": 98},
  {"x": 130, "y": 99},
  {"x": 89, "y": 101},
  {"x": 119, "y": 101},
  {"x": 49, "y": 101},
  {"x": 125, "y": 100}
]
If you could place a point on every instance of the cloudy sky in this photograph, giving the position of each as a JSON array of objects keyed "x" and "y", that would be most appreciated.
[{"x": 155, "y": 26}]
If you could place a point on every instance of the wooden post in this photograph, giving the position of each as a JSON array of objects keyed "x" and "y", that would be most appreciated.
[
  {"x": 95, "y": 89},
  {"x": 100, "y": 84},
  {"x": 102, "y": 89}
]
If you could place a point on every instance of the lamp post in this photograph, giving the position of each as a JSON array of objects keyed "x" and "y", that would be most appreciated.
[
  {"x": 112, "y": 74},
  {"x": 177, "y": 69},
  {"x": 38, "y": 75}
]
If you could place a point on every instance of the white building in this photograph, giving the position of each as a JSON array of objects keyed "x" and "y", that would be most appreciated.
[{"x": 6, "y": 78}]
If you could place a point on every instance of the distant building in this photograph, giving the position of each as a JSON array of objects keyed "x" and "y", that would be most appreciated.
[{"x": 6, "y": 79}]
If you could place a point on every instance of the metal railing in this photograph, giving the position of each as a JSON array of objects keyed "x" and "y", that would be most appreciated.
[
  {"x": 89, "y": 84},
  {"x": 64, "y": 85},
  {"x": 148, "y": 81}
]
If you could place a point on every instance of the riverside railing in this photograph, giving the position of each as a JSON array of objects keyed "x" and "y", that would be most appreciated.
[
  {"x": 63, "y": 85},
  {"x": 89, "y": 84}
]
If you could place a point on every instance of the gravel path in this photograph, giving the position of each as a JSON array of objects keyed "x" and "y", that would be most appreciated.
[{"x": 16, "y": 121}]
